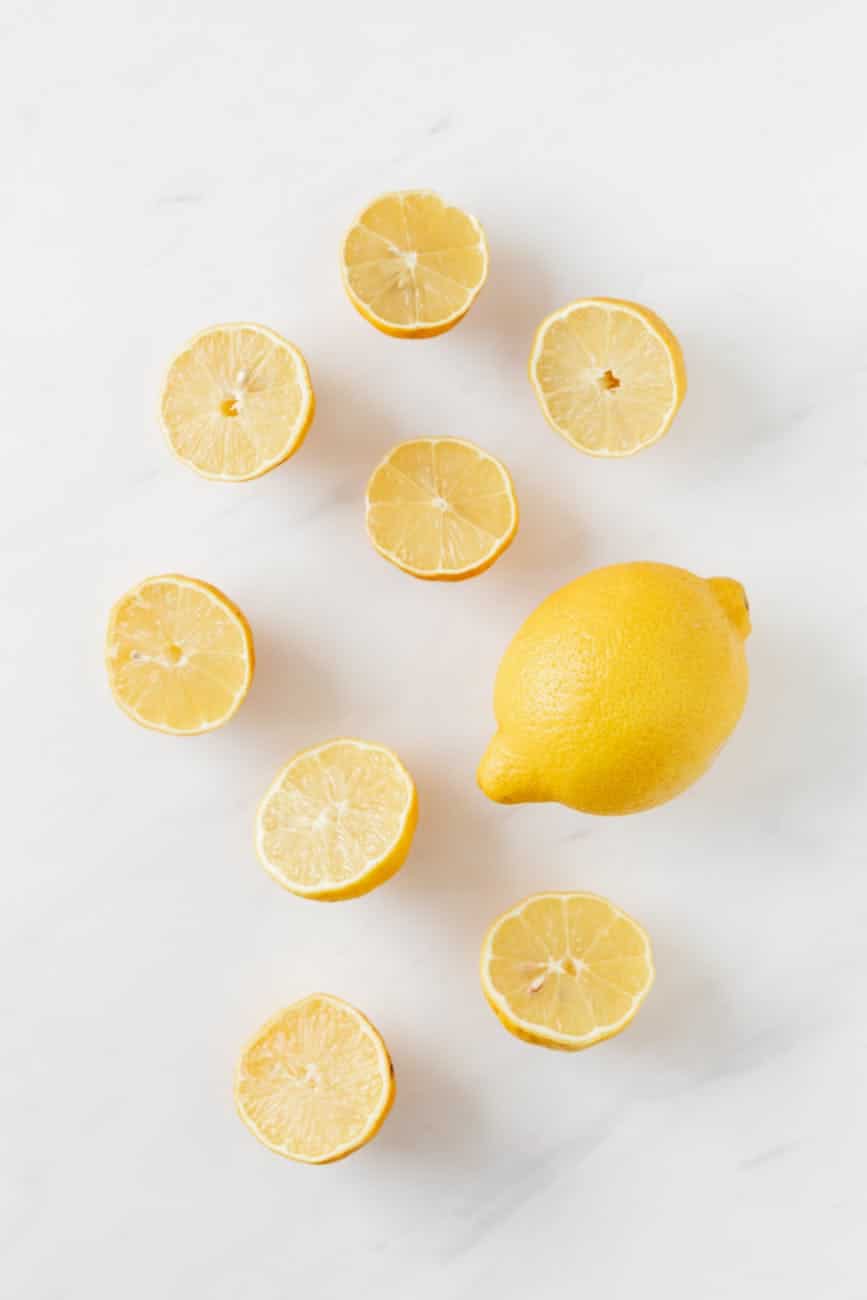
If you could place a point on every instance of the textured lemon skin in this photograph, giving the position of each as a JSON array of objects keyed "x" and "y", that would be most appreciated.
[
  {"x": 657, "y": 325},
  {"x": 362, "y": 1140},
  {"x": 619, "y": 690}
]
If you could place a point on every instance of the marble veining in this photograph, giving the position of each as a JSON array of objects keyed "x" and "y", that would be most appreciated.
[{"x": 165, "y": 169}]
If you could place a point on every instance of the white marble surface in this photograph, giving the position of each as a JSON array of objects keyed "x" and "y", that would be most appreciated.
[{"x": 170, "y": 166}]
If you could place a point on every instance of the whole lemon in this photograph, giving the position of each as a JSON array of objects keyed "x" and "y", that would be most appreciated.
[{"x": 619, "y": 690}]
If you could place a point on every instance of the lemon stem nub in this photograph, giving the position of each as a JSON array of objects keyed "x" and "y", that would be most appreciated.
[{"x": 734, "y": 602}]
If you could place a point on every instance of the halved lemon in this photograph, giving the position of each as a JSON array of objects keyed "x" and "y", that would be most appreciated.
[
  {"x": 441, "y": 508},
  {"x": 316, "y": 1082},
  {"x": 179, "y": 655},
  {"x": 566, "y": 970},
  {"x": 237, "y": 400},
  {"x": 338, "y": 820},
  {"x": 413, "y": 265},
  {"x": 609, "y": 375}
]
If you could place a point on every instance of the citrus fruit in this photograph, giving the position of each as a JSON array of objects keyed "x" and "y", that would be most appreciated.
[
  {"x": 338, "y": 820},
  {"x": 237, "y": 400},
  {"x": 619, "y": 690},
  {"x": 609, "y": 375},
  {"x": 441, "y": 508},
  {"x": 413, "y": 265},
  {"x": 566, "y": 970},
  {"x": 316, "y": 1081},
  {"x": 179, "y": 655}
]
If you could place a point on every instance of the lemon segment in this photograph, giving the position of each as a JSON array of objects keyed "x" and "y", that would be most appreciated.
[
  {"x": 179, "y": 655},
  {"x": 608, "y": 374},
  {"x": 316, "y": 1082},
  {"x": 441, "y": 508},
  {"x": 338, "y": 820},
  {"x": 237, "y": 400},
  {"x": 619, "y": 690},
  {"x": 413, "y": 265},
  {"x": 566, "y": 970}
]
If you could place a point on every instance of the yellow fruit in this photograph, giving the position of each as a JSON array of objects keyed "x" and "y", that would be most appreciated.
[
  {"x": 609, "y": 375},
  {"x": 566, "y": 970},
  {"x": 338, "y": 820},
  {"x": 412, "y": 265},
  {"x": 179, "y": 655},
  {"x": 441, "y": 508},
  {"x": 316, "y": 1081},
  {"x": 237, "y": 401},
  {"x": 618, "y": 691}
]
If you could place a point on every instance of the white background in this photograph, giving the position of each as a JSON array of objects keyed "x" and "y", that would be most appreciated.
[{"x": 168, "y": 166}]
